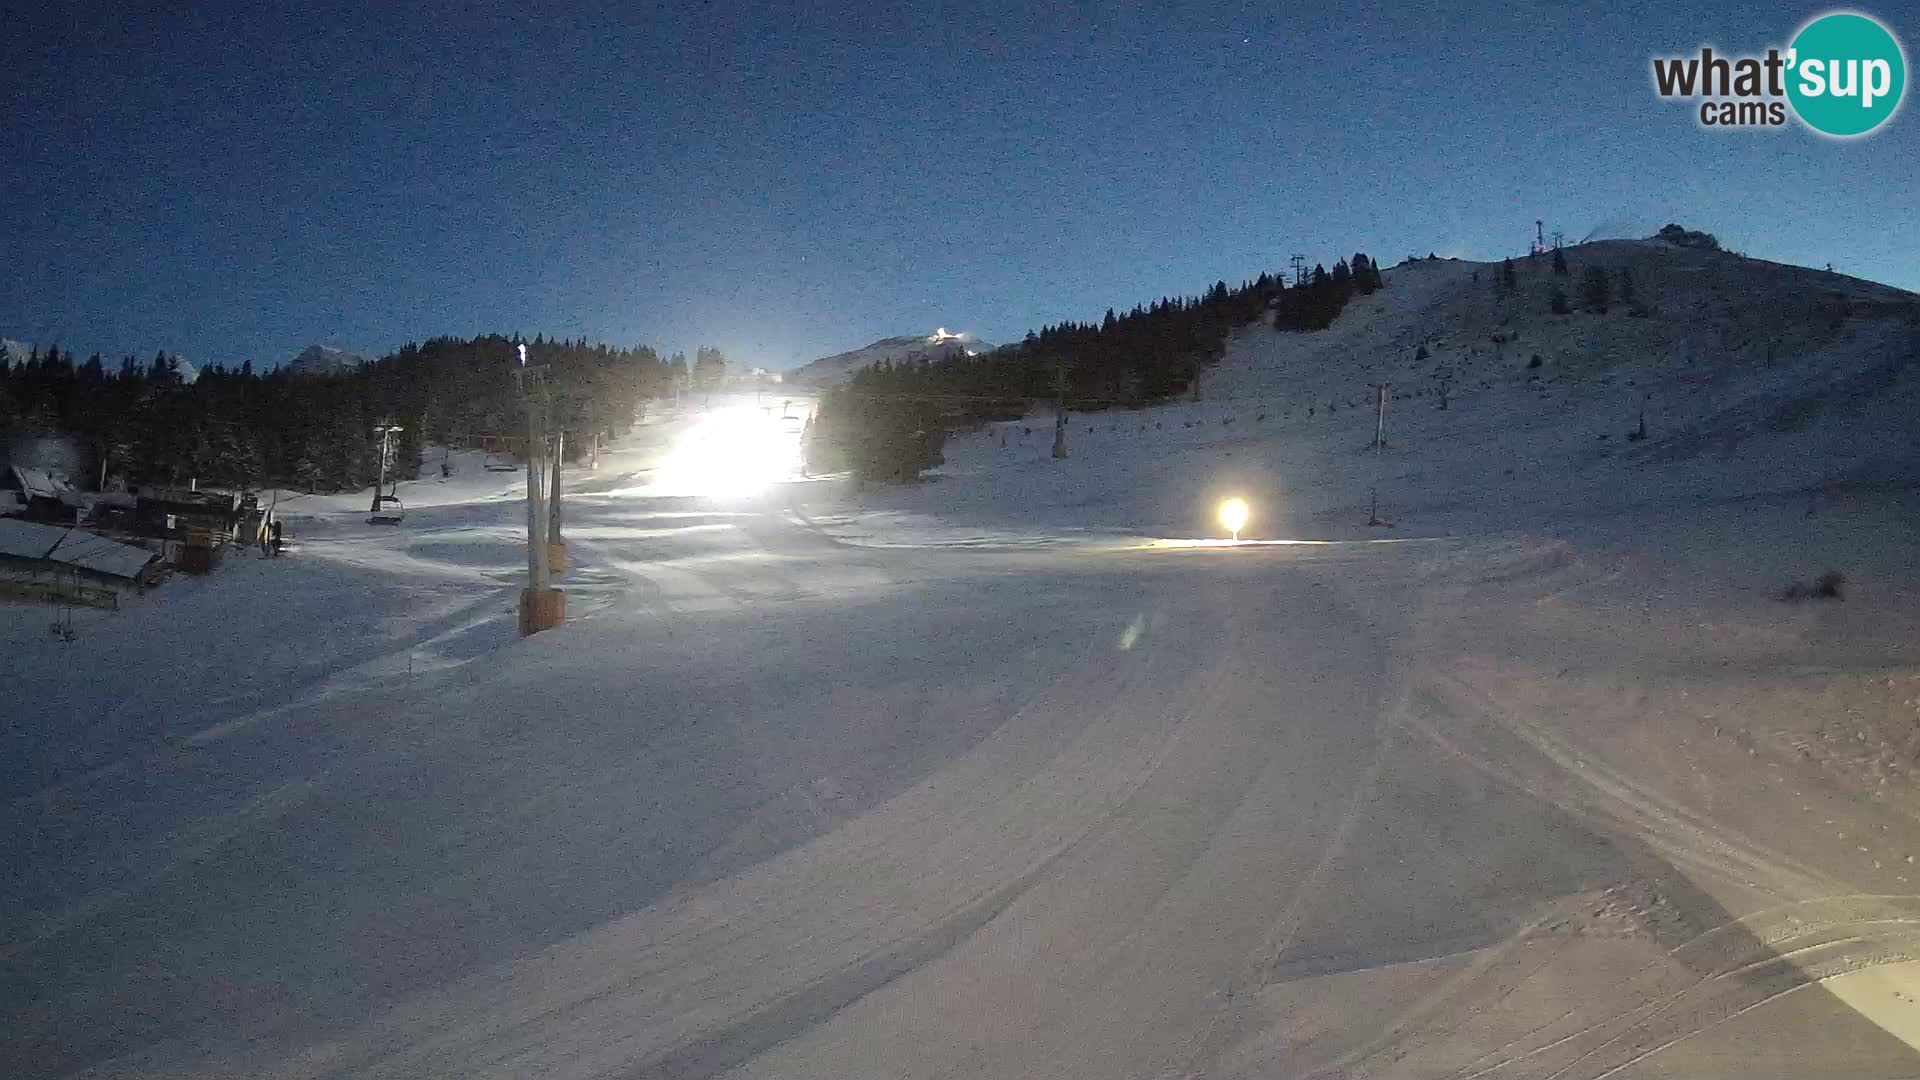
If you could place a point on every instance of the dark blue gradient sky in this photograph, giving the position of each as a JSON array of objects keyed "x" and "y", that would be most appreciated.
[{"x": 237, "y": 180}]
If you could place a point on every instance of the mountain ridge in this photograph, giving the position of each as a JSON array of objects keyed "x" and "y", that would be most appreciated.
[
  {"x": 837, "y": 368},
  {"x": 324, "y": 360}
]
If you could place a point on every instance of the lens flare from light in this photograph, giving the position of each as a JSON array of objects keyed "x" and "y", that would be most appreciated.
[
  {"x": 731, "y": 452},
  {"x": 1233, "y": 516}
]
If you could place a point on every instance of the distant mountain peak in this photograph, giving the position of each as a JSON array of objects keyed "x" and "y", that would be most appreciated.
[
  {"x": 324, "y": 360},
  {"x": 839, "y": 367}
]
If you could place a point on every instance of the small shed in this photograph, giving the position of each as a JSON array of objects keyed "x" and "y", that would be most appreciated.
[
  {"x": 40, "y": 495},
  {"x": 173, "y": 513},
  {"x": 40, "y": 561}
]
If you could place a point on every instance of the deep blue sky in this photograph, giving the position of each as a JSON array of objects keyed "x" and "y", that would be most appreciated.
[{"x": 235, "y": 180}]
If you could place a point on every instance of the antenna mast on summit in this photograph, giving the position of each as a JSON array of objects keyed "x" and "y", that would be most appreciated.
[
  {"x": 1299, "y": 262},
  {"x": 1539, "y": 237}
]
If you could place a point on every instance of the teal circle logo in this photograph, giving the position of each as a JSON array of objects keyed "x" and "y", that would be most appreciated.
[{"x": 1846, "y": 74}]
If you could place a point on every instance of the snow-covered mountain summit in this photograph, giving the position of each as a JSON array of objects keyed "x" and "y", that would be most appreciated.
[{"x": 938, "y": 345}]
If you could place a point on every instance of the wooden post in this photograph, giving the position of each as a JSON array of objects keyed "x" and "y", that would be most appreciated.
[
  {"x": 556, "y": 544},
  {"x": 553, "y": 502},
  {"x": 537, "y": 580},
  {"x": 1060, "y": 413}
]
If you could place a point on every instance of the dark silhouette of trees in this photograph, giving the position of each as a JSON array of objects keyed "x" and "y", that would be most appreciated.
[
  {"x": 1151, "y": 353},
  {"x": 709, "y": 368},
  {"x": 877, "y": 437},
  {"x": 1366, "y": 274},
  {"x": 235, "y": 427},
  {"x": 1681, "y": 237}
]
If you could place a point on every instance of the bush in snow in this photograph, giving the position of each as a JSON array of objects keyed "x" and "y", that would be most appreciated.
[
  {"x": 1557, "y": 299},
  {"x": 1679, "y": 237},
  {"x": 1594, "y": 291}
]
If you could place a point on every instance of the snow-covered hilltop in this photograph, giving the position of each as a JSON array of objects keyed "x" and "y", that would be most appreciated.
[
  {"x": 1708, "y": 328},
  {"x": 1672, "y": 374},
  {"x": 324, "y": 360},
  {"x": 938, "y": 345}
]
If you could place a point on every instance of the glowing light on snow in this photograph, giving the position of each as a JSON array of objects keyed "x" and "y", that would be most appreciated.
[
  {"x": 1166, "y": 543},
  {"x": 731, "y": 452},
  {"x": 1233, "y": 516}
]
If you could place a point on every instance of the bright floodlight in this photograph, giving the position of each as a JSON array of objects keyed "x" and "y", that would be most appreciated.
[
  {"x": 1233, "y": 515},
  {"x": 731, "y": 452}
]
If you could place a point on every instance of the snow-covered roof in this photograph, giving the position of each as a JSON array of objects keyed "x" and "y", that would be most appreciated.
[
  {"x": 29, "y": 539},
  {"x": 71, "y": 547},
  {"x": 91, "y": 551},
  {"x": 40, "y": 483}
]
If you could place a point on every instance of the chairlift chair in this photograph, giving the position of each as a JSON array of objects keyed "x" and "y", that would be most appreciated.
[{"x": 388, "y": 510}]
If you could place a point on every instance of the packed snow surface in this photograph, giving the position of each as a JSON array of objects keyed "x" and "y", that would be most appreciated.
[{"x": 1022, "y": 771}]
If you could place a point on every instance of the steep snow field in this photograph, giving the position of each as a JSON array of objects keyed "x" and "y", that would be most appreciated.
[{"x": 985, "y": 778}]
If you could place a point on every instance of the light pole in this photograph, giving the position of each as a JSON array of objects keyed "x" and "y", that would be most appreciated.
[
  {"x": 541, "y": 605},
  {"x": 386, "y": 429},
  {"x": 556, "y": 545}
]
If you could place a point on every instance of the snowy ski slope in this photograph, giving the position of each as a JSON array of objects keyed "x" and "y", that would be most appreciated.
[{"x": 974, "y": 779}]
